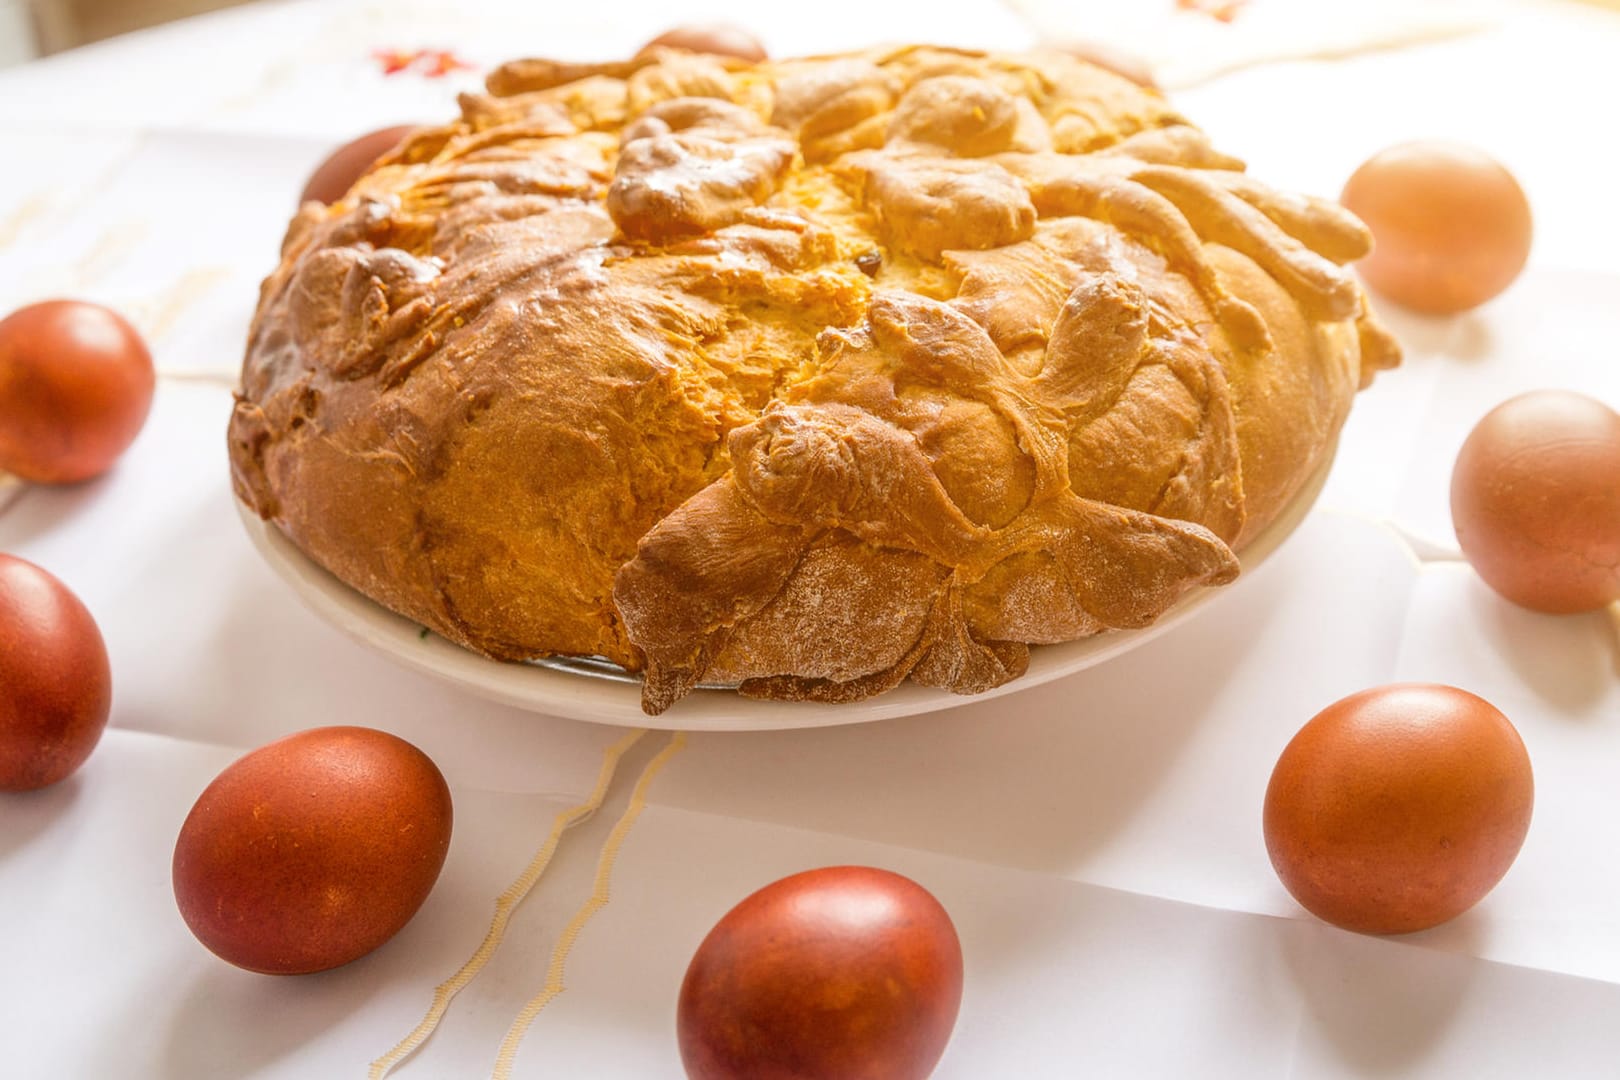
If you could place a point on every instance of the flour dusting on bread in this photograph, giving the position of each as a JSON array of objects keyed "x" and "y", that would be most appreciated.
[{"x": 809, "y": 376}]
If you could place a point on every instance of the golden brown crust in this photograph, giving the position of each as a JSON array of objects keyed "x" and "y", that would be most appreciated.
[{"x": 810, "y": 376}]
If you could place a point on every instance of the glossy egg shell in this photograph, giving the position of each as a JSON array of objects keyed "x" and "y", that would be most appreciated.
[
  {"x": 1535, "y": 499},
  {"x": 845, "y": 972},
  {"x": 312, "y": 851},
  {"x": 333, "y": 178},
  {"x": 76, "y": 384},
  {"x": 1451, "y": 226},
  {"x": 1398, "y": 808},
  {"x": 55, "y": 681}
]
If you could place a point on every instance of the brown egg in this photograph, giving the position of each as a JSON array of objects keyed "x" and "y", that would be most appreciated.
[
  {"x": 1398, "y": 808},
  {"x": 1535, "y": 498},
  {"x": 333, "y": 178},
  {"x": 1451, "y": 227},
  {"x": 312, "y": 851},
  {"x": 721, "y": 39},
  {"x": 55, "y": 682},
  {"x": 76, "y": 385},
  {"x": 845, "y": 972}
]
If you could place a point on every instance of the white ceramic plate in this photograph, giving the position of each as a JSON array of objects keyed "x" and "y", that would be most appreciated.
[{"x": 601, "y": 693}]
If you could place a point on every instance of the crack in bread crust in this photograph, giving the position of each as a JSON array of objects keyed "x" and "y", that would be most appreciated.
[{"x": 810, "y": 376}]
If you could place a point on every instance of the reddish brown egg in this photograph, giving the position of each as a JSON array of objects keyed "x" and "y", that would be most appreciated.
[
  {"x": 1451, "y": 226},
  {"x": 1398, "y": 808},
  {"x": 1535, "y": 498},
  {"x": 76, "y": 384},
  {"x": 846, "y": 972},
  {"x": 55, "y": 682},
  {"x": 333, "y": 178},
  {"x": 721, "y": 39},
  {"x": 312, "y": 851}
]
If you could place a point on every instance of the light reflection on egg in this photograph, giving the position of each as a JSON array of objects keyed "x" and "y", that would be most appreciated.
[
  {"x": 1535, "y": 499},
  {"x": 333, "y": 177},
  {"x": 1451, "y": 227},
  {"x": 312, "y": 851},
  {"x": 55, "y": 679},
  {"x": 1398, "y": 808},
  {"x": 845, "y": 971},
  {"x": 76, "y": 384}
]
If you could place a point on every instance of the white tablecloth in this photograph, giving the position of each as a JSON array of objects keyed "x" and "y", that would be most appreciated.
[{"x": 1096, "y": 840}]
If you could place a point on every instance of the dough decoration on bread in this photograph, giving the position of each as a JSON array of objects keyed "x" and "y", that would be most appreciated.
[{"x": 806, "y": 376}]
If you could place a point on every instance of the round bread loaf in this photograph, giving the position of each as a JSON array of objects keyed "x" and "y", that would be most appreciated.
[{"x": 809, "y": 376}]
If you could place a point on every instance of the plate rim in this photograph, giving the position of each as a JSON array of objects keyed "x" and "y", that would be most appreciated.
[{"x": 577, "y": 695}]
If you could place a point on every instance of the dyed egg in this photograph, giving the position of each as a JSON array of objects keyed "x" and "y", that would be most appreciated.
[
  {"x": 1451, "y": 226},
  {"x": 55, "y": 682},
  {"x": 333, "y": 178},
  {"x": 720, "y": 39},
  {"x": 1535, "y": 499},
  {"x": 846, "y": 972},
  {"x": 76, "y": 384},
  {"x": 312, "y": 851},
  {"x": 1398, "y": 808}
]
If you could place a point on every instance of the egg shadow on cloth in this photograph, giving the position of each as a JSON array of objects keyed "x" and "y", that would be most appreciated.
[
  {"x": 240, "y": 661},
  {"x": 41, "y": 508},
  {"x": 230, "y": 1022},
  {"x": 27, "y": 814},
  {"x": 1146, "y": 772},
  {"x": 1465, "y": 337},
  {"x": 1382, "y": 1004},
  {"x": 1034, "y": 780},
  {"x": 1567, "y": 660}
]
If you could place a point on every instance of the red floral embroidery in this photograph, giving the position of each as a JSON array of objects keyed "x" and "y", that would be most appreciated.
[
  {"x": 1219, "y": 10},
  {"x": 428, "y": 63},
  {"x": 394, "y": 61}
]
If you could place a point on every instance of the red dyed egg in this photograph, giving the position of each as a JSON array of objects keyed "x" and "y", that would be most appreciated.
[
  {"x": 1535, "y": 499},
  {"x": 312, "y": 851},
  {"x": 1451, "y": 227},
  {"x": 847, "y": 972},
  {"x": 76, "y": 384},
  {"x": 333, "y": 178},
  {"x": 55, "y": 682},
  {"x": 1398, "y": 808}
]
